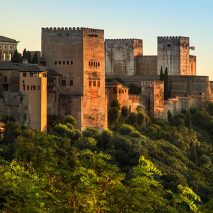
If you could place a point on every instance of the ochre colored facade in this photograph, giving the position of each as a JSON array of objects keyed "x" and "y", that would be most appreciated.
[
  {"x": 23, "y": 94},
  {"x": 152, "y": 96},
  {"x": 118, "y": 92},
  {"x": 34, "y": 86},
  {"x": 77, "y": 55}
]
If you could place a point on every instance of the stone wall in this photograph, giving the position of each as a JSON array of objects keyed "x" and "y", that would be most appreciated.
[
  {"x": 152, "y": 96},
  {"x": 62, "y": 51},
  {"x": 189, "y": 85},
  {"x": 118, "y": 92},
  {"x": 7, "y": 49},
  {"x": 77, "y": 54},
  {"x": 173, "y": 53},
  {"x": 9, "y": 80},
  {"x": 121, "y": 55},
  {"x": 179, "y": 104},
  {"x": 146, "y": 65},
  {"x": 15, "y": 104}
]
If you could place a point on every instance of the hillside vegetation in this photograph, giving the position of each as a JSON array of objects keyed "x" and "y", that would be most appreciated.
[{"x": 138, "y": 165}]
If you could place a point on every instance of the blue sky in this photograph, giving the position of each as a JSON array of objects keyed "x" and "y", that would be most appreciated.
[{"x": 145, "y": 19}]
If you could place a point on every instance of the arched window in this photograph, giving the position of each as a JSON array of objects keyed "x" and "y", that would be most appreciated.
[
  {"x": 55, "y": 62},
  {"x": 59, "y": 62}
]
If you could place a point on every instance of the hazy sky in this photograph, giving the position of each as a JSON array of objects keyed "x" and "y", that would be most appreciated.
[{"x": 144, "y": 19}]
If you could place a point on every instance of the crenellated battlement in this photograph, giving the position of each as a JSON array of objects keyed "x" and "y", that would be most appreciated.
[
  {"x": 171, "y": 38},
  {"x": 168, "y": 38},
  {"x": 121, "y": 41},
  {"x": 72, "y": 29}
]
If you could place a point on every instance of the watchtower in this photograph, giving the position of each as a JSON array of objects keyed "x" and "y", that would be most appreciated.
[
  {"x": 77, "y": 54},
  {"x": 121, "y": 55},
  {"x": 173, "y": 54}
]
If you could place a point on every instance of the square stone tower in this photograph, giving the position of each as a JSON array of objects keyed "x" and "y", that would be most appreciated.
[
  {"x": 121, "y": 56},
  {"x": 77, "y": 54},
  {"x": 173, "y": 53}
]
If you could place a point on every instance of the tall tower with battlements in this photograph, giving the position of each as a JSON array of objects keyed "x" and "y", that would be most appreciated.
[
  {"x": 77, "y": 54},
  {"x": 121, "y": 56},
  {"x": 173, "y": 54}
]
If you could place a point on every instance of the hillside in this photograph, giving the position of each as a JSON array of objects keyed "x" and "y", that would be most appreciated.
[{"x": 139, "y": 165}]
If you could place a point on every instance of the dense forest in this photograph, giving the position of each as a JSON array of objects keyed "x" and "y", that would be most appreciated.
[{"x": 138, "y": 165}]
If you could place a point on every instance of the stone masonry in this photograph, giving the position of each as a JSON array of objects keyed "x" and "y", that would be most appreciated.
[
  {"x": 7, "y": 48},
  {"x": 173, "y": 54},
  {"x": 121, "y": 55},
  {"x": 77, "y": 54}
]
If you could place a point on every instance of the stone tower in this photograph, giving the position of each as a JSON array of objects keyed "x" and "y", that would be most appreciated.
[
  {"x": 173, "y": 53},
  {"x": 77, "y": 54},
  {"x": 121, "y": 55}
]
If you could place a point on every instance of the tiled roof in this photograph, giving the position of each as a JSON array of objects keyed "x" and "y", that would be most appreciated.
[
  {"x": 21, "y": 67},
  {"x": 5, "y": 39}
]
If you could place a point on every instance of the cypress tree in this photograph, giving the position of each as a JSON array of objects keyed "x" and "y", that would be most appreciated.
[
  {"x": 16, "y": 58},
  {"x": 35, "y": 59},
  {"x": 161, "y": 74},
  {"x": 166, "y": 89}
]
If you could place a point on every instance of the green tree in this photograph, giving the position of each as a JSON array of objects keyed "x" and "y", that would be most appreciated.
[
  {"x": 16, "y": 58},
  {"x": 166, "y": 88},
  {"x": 113, "y": 115},
  {"x": 35, "y": 59},
  {"x": 161, "y": 74}
]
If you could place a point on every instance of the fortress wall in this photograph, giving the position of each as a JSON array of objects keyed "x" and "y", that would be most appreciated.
[
  {"x": 146, "y": 65},
  {"x": 189, "y": 85},
  {"x": 120, "y": 56}
]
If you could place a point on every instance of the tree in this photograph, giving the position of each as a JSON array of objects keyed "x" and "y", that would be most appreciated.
[
  {"x": 115, "y": 103},
  {"x": 113, "y": 115},
  {"x": 161, "y": 74},
  {"x": 16, "y": 58},
  {"x": 166, "y": 88},
  {"x": 35, "y": 59},
  {"x": 27, "y": 55}
]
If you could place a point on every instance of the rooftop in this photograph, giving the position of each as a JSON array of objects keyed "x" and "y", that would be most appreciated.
[
  {"x": 21, "y": 67},
  {"x": 5, "y": 39}
]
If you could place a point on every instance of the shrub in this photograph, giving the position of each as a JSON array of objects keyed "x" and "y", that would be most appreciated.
[{"x": 126, "y": 129}]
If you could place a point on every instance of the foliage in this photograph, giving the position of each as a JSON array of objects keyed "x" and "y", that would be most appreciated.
[
  {"x": 138, "y": 165},
  {"x": 16, "y": 58},
  {"x": 35, "y": 59}
]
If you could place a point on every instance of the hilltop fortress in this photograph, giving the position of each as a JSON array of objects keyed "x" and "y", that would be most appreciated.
[{"x": 82, "y": 72}]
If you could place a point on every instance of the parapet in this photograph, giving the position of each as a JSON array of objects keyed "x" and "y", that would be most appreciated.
[
  {"x": 171, "y": 38},
  {"x": 71, "y": 29},
  {"x": 121, "y": 41},
  {"x": 188, "y": 78}
]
